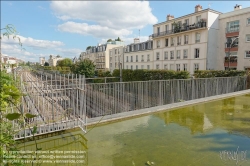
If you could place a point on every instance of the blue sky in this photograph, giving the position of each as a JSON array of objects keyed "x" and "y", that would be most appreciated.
[{"x": 67, "y": 28}]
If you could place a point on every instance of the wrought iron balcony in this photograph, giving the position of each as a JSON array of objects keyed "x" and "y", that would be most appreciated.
[
  {"x": 185, "y": 42},
  {"x": 180, "y": 29}
]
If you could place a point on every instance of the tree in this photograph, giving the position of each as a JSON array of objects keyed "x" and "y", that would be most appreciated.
[
  {"x": 46, "y": 64},
  {"x": 109, "y": 40},
  {"x": 118, "y": 39},
  {"x": 85, "y": 67},
  {"x": 65, "y": 63},
  {"x": 89, "y": 47}
]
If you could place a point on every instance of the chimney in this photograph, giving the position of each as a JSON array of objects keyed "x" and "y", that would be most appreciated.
[
  {"x": 136, "y": 40},
  {"x": 169, "y": 17},
  {"x": 237, "y": 7},
  {"x": 198, "y": 8}
]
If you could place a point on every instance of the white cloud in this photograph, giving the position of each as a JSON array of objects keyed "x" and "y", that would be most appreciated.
[
  {"x": 108, "y": 19},
  {"x": 96, "y": 30},
  {"x": 127, "y": 40},
  {"x": 113, "y": 14},
  {"x": 70, "y": 53},
  {"x": 34, "y": 43}
]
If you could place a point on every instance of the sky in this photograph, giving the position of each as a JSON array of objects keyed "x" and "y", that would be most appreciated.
[{"x": 66, "y": 28}]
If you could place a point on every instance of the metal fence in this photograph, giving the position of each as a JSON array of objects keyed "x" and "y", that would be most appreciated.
[
  {"x": 57, "y": 100},
  {"x": 112, "y": 98}
]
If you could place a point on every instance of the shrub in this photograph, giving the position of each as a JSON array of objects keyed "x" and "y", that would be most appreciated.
[{"x": 218, "y": 73}]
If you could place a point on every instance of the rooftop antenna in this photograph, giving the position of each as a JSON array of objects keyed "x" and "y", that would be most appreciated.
[{"x": 139, "y": 35}]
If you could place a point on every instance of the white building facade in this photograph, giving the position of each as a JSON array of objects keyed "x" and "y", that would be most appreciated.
[
  {"x": 138, "y": 55},
  {"x": 235, "y": 29},
  {"x": 187, "y": 43}
]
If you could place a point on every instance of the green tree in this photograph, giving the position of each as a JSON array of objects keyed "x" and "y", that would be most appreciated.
[
  {"x": 89, "y": 47},
  {"x": 109, "y": 40},
  {"x": 65, "y": 63},
  {"x": 46, "y": 64},
  {"x": 85, "y": 67}
]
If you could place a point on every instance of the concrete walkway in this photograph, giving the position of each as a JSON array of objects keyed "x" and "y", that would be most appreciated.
[{"x": 168, "y": 107}]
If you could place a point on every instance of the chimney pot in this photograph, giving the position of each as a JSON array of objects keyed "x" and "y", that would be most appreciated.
[{"x": 198, "y": 8}]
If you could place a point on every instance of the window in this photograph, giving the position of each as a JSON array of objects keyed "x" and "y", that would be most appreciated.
[
  {"x": 230, "y": 40},
  {"x": 148, "y": 57},
  {"x": 110, "y": 59},
  {"x": 178, "y": 67},
  {"x": 118, "y": 51},
  {"x": 171, "y": 54},
  {"x": 136, "y": 66},
  {"x": 115, "y": 65},
  {"x": 179, "y": 40},
  {"x": 165, "y": 66},
  {"x": 197, "y": 37},
  {"x": 115, "y": 51},
  {"x": 157, "y": 66},
  {"x": 110, "y": 53},
  {"x": 172, "y": 41},
  {"x": 172, "y": 67},
  {"x": 185, "y": 67},
  {"x": 196, "y": 53},
  {"x": 196, "y": 66},
  {"x": 148, "y": 67},
  {"x": 158, "y": 30},
  {"x": 185, "y": 54},
  {"x": 110, "y": 64},
  {"x": 198, "y": 18},
  {"x": 157, "y": 56},
  {"x": 166, "y": 28},
  {"x": 248, "y": 38},
  {"x": 187, "y": 21},
  {"x": 126, "y": 58},
  {"x": 247, "y": 55},
  {"x": 142, "y": 58},
  {"x": 165, "y": 55},
  {"x": 115, "y": 58},
  {"x": 166, "y": 42},
  {"x": 131, "y": 67},
  {"x": 178, "y": 54},
  {"x": 142, "y": 66},
  {"x": 186, "y": 39},
  {"x": 158, "y": 43},
  {"x": 248, "y": 21},
  {"x": 233, "y": 26},
  {"x": 139, "y": 47},
  {"x": 131, "y": 58},
  {"x": 136, "y": 58}
]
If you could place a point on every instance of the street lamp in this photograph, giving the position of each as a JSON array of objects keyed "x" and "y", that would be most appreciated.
[{"x": 230, "y": 46}]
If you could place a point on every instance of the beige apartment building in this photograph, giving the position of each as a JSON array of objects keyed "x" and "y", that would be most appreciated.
[
  {"x": 139, "y": 55},
  {"x": 54, "y": 59},
  {"x": 116, "y": 58},
  {"x": 100, "y": 54},
  {"x": 187, "y": 43},
  {"x": 234, "y": 39}
]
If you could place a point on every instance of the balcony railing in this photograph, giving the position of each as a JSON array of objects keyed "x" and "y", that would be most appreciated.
[
  {"x": 181, "y": 29},
  {"x": 233, "y": 29},
  {"x": 185, "y": 42},
  {"x": 184, "y": 57},
  {"x": 142, "y": 60},
  {"x": 179, "y": 43},
  {"x": 172, "y": 44},
  {"x": 171, "y": 57},
  {"x": 235, "y": 44},
  {"x": 197, "y": 41},
  {"x": 178, "y": 57}
]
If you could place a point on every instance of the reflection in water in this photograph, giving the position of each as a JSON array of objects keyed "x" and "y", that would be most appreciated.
[
  {"x": 68, "y": 149},
  {"x": 194, "y": 135}
]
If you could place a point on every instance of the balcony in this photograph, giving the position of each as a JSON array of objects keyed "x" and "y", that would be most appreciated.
[
  {"x": 181, "y": 29},
  {"x": 185, "y": 57},
  {"x": 179, "y": 43},
  {"x": 232, "y": 31},
  {"x": 233, "y": 48},
  {"x": 172, "y": 44},
  {"x": 232, "y": 62},
  {"x": 185, "y": 42},
  {"x": 178, "y": 57},
  {"x": 171, "y": 57}
]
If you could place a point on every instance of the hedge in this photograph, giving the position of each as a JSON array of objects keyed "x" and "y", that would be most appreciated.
[
  {"x": 145, "y": 75},
  {"x": 218, "y": 73}
]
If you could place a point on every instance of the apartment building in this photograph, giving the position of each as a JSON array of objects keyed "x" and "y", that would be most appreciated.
[
  {"x": 187, "y": 43},
  {"x": 139, "y": 55},
  {"x": 54, "y": 59},
  {"x": 42, "y": 60},
  {"x": 100, "y": 54},
  {"x": 234, "y": 39},
  {"x": 116, "y": 58}
]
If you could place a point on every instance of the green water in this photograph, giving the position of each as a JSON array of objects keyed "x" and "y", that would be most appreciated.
[{"x": 194, "y": 135}]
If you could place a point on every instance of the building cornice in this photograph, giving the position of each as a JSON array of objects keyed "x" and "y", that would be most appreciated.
[
  {"x": 188, "y": 15},
  {"x": 234, "y": 13}
]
